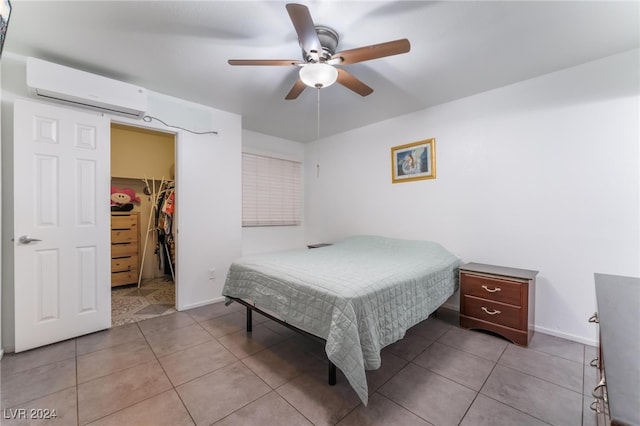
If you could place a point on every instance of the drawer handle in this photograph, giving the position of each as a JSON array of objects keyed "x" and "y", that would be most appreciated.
[
  {"x": 594, "y": 318},
  {"x": 491, "y": 290},
  {"x": 602, "y": 385},
  {"x": 595, "y": 406},
  {"x": 492, "y": 312},
  {"x": 594, "y": 362}
]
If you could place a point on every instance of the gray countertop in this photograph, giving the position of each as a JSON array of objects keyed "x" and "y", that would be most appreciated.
[{"x": 619, "y": 311}]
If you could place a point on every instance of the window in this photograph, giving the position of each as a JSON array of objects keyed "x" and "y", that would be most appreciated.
[{"x": 271, "y": 194}]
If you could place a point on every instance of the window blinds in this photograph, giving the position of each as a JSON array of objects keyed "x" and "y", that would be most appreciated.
[{"x": 271, "y": 194}]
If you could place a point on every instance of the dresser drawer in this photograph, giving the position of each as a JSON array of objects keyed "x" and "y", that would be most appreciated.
[
  {"x": 497, "y": 313},
  {"x": 121, "y": 264},
  {"x": 127, "y": 221},
  {"x": 124, "y": 235},
  {"x": 124, "y": 249},
  {"x": 127, "y": 277},
  {"x": 491, "y": 288}
]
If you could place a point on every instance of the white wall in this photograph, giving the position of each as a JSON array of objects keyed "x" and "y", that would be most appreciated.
[
  {"x": 542, "y": 175},
  {"x": 208, "y": 195},
  {"x": 208, "y": 179},
  {"x": 272, "y": 238}
]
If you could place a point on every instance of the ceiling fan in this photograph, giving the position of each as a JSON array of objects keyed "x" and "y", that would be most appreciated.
[{"x": 318, "y": 67}]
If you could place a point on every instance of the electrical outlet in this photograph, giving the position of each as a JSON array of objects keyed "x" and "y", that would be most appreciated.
[{"x": 212, "y": 274}]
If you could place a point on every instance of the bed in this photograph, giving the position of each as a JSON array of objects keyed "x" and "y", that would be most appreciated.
[{"x": 359, "y": 294}]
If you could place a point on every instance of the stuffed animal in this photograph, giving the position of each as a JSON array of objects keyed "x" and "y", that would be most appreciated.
[{"x": 122, "y": 199}]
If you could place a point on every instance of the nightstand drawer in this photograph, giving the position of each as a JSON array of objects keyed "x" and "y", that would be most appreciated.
[
  {"x": 496, "y": 313},
  {"x": 491, "y": 288}
]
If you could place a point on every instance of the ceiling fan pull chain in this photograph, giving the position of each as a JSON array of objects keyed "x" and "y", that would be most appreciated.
[
  {"x": 318, "y": 135},
  {"x": 318, "y": 121}
]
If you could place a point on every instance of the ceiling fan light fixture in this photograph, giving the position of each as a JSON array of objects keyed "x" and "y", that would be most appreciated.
[{"x": 318, "y": 75}]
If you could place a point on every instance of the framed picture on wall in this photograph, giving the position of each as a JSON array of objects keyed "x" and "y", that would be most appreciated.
[
  {"x": 5, "y": 12},
  {"x": 413, "y": 161}
]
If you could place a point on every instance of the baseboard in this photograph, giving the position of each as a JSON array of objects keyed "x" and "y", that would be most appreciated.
[
  {"x": 451, "y": 306},
  {"x": 197, "y": 305},
  {"x": 579, "y": 339},
  {"x": 566, "y": 336}
]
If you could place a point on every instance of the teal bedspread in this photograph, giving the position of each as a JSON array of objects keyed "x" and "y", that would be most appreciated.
[{"x": 360, "y": 294}]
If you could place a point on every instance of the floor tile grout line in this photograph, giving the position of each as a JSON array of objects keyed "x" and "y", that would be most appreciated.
[
  {"x": 481, "y": 386},
  {"x": 292, "y": 406},
  {"x": 296, "y": 408},
  {"x": 75, "y": 386},
  {"x": 501, "y": 402},
  {"x": 555, "y": 356},
  {"x": 7, "y": 356},
  {"x": 128, "y": 367},
  {"x": 37, "y": 398},
  {"x": 515, "y": 408},
  {"x": 509, "y": 343},
  {"x": 549, "y": 354},
  {"x": 445, "y": 377},
  {"x": 394, "y": 403},
  {"x": 101, "y": 377},
  {"x": 397, "y": 403},
  {"x": 541, "y": 378},
  {"x": 47, "y": 394},
  {"x": 471, "y": 353},
  {"x": 110, "y": 329},
  {"x": 271, "y": 389},
  {"x": 173, "y": 388}
]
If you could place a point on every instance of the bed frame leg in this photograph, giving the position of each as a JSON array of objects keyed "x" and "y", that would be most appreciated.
[
  {"x": 332, "y": 373},
  {"x": 249, "y": 321}
]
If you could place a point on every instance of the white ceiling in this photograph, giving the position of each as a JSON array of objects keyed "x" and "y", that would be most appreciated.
[{"x": 458, "y": 49}]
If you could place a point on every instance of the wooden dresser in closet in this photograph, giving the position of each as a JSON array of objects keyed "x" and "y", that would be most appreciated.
[{"x": 125, "y": 248}]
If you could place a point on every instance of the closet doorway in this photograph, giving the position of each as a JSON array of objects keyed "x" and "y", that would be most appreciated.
[{"x": 143, "y": 209}]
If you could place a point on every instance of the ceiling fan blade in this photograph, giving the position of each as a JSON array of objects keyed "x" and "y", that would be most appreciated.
[
  {"x": 302, "y": 22},
  {"x": 295, "y": 91},
  {"x": 352, "y": 83},
  {"x": 374, "y": 51},
  {"x": 277, "y": 62}
]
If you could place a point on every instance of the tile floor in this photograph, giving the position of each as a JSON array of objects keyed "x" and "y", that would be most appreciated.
[
  {"x": 201, "y": 367},
  {"x": 131, "y": 304}
]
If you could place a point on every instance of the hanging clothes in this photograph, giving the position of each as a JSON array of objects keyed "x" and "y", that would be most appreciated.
[{"x": 165, "y": 229}]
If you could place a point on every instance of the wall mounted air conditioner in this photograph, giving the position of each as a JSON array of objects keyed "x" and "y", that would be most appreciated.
[{"x": 61, "y": 84}]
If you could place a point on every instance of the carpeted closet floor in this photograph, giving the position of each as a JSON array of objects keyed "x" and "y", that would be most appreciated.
[{"x": 131, "y": 304}]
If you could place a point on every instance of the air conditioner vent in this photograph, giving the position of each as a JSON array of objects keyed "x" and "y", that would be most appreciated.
[{"x": 61, "y": 84}]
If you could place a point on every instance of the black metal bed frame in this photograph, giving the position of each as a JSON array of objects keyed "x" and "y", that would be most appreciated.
[{"x": 251, "y": 308}]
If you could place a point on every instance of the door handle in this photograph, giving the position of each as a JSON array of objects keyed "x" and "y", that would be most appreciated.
[{"x": 26, "y": 240}]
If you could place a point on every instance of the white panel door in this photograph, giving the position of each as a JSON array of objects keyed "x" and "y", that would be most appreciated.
[{"x": 61, "y": 223}]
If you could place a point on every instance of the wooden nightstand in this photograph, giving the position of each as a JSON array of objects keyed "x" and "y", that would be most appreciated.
[{"x": 498, "y": 299}]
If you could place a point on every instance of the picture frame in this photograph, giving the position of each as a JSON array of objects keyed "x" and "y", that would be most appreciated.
[
  {"x": 5, "y": 13},
  {"x": 413, "y": 161}
]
